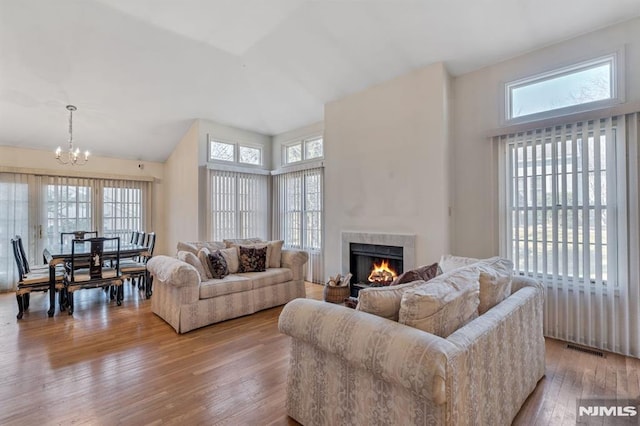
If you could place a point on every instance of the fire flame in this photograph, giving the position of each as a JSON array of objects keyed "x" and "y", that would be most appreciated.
[{"x": 382, "y": 273}]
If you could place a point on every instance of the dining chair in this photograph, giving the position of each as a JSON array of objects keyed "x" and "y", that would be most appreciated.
[
  {"x": 98, "y": 274},
  {"x": 77, "y": 235},
  {"x": 136, "y": 269},
  {"x": 28, "y": 281}
]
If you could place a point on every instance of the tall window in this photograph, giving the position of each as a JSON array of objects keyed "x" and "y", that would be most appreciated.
[
  {"x": 14, "y": 220},
  {"x": 69, "y": 208},
  {"x": 238, "y": 205},
  {"x": 298, "y": 213},
  {"x": 561, "y": 191},
  {"x": 122, "y": 209}
]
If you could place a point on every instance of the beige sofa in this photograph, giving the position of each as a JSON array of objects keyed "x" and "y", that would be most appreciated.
[
  {"x": 351, "y": 367},
  {"x": 187, "y": 302}
]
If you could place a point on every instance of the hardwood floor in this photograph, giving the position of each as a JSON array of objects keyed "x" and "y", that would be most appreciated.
[{"x": 124, "y": 365}]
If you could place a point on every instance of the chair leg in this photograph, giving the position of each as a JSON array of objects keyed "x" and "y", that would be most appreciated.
[
  {"x": 149, "y": 286},
  {"x": 119, "y": 294},
  {"x": 26, "y": 299},
  {"x": 62, "y": 299},
  {"x": 20, "y": 301},
  {"x": 70, "y": 302}
]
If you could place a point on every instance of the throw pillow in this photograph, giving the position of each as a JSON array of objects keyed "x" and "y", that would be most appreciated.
[
  {"x": 192, "y": 259},
  {"x": 252, "y": 259},
  {"x": 231, "y": 256},
  {"x": 203, "y": 256},
  {"x": 424, "y": 273},
  {"x": 384, "y": 301},
  {"x": 449, "y": 301},
  {"x": 218, "y": 265},
  {"x": 496, "y": 275},
  {"x": 273, "y": 249},
  {"x": 449, "y": 262},
  {"x": 276, "y": 253}
]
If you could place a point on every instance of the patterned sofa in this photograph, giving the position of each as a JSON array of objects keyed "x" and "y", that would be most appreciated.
[
  {"x": 187, "y": 302},
  {"x": 351, "y": 367}
]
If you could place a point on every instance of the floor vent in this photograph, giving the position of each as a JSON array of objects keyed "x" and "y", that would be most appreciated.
[{"x": 586, "y": 350}]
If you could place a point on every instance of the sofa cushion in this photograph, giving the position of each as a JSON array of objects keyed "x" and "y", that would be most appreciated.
[
  {"x": 424, "y": 273},
  {"x": 192, "y": 259},
  {"x": 275, "y": 257},
  {"x": 252, "y": 259},
  {"x": 195, "y": 246},
  {"x": 217, "y": 265},
  {"x": 269, "y": 277},
  {"x": 231, "y": 256},
  {"x": 203, "y": 256},
  {"x": 242, "y": 241},
  {"x": 496, "y": 275},
  {"x": 384, "y": 301},
  {"x": 449, "y": 262},
  {"x": 447, "y": 303},
  {"x": 227, "y": 285}
]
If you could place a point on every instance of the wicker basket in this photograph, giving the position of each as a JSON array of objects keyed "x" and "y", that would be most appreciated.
[{"x": 336, "y": 294}]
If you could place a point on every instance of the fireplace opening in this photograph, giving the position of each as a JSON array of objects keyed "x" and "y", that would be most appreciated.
[{"x": 374, "y": 264}]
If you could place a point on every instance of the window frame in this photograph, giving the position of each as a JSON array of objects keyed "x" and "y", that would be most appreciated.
[
  {"x": 303, "y": 145},
  {"x": 236, "y": 152},
  {"x": 617, "y": 86}
]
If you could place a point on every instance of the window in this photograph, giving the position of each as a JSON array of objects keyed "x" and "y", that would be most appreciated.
[
  {"x": 561, "y": 208},
  {"x": 234, "y": 152},
  {"x": 222, "y": 151},
  {"x": 583, "y": 86},
  {"x": 69, "y": 208},
  {"x": 122, "y": 208},
  {"x": 298, "y": 215},
  {"x": 238, "y": 205},
  {"x": 307, "y": 149},
  {"x": 14, "y": 220}
]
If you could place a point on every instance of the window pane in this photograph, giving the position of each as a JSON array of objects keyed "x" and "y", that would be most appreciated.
[
  {"x": 222, "y": 151},
  {"x": 294, "y": 153},
  {"x": 313, "y": 148},
  {"x": 250, "y": 155},
  {"x": 122, "y": 208},
  {"x": 588, "y": 84}
]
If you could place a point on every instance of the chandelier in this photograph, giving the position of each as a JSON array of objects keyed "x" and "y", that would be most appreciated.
[{"x": 71, "y": 156}]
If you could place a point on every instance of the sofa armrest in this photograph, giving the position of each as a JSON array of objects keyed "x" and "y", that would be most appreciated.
[
  {"x": 173, "y": 271},
  {"x": 294, "y": 260},
  {"x": 520, "y": 281},
  {"x": 393, "y": 352}
]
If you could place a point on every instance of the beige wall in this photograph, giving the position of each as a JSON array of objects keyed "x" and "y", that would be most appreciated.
[
  {"x": 30, "y": 159},
  {"x": 387, "y": 164},
  {"x": 181, "y": 191},
  {"x": 477, "y": 105}
]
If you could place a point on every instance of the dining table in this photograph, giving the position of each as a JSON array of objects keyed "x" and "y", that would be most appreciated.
[{"x": 60, "y": 253}]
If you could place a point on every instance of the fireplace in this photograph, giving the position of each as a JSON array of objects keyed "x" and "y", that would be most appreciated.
[
  {"x": 361, "y": 250},
  {"x": 374, "y": 264}
]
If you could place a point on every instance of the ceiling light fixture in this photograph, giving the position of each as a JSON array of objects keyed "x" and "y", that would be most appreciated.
[{"x": 71, "y": 156}]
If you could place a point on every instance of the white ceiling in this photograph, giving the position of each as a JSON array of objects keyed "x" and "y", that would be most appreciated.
[{"x": 140, "y": 71}]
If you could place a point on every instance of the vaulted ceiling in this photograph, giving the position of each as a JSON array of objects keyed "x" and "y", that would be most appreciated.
[{"x": 140, "y": 71}]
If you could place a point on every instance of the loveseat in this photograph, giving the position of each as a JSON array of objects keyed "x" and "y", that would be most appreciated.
[
  {"x": 188, "y": 300},
  {"x": 352, "y": 367}
]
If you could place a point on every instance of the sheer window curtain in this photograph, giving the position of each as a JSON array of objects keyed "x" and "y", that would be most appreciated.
[
  {"x": 298, "y": 215},
  {"x": 569, "y": 210},
  {"x": 14, "y": 220}
]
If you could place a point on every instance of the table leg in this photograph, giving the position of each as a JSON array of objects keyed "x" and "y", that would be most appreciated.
[{"x": 52, "y": 290}]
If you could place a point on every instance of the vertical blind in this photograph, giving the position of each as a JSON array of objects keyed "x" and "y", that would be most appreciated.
[
  {"x": 298, "y": 215},
  {"x": 39, "y": 207},
  {"x": 565, "y": 217},
  {"x": 238, "y": 205}
]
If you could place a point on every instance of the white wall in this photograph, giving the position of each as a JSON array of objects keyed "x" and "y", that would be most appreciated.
[
  {"x": 26, "y": 159},
  {"x": 477, "y": 99},
  {"x": 387, "y": 164}
]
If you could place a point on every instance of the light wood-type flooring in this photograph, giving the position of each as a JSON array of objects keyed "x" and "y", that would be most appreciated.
[{"x": 111, "y": 364}]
